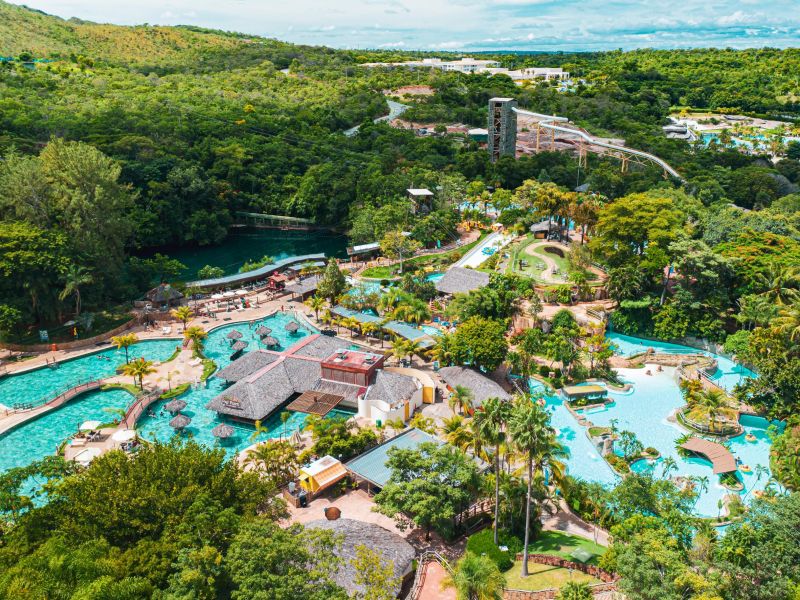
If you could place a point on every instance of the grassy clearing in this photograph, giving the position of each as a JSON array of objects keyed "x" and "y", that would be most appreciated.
[
  {"x": 542, "y": 577},
  {"x": 563, "y": 544}
]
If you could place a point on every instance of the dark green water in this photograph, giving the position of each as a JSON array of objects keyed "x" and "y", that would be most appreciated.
[{"x": 246, "y": 244}]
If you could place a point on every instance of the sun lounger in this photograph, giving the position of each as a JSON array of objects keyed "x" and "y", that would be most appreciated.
[{"x": 166, "y": 330}]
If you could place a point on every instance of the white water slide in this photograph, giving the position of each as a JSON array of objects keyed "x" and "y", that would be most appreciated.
[{"x": 547, "y": 122}]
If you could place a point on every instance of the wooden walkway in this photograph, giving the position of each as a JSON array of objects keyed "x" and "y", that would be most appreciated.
[
  {"x": 26, "y": 412},
  {"x": 138, "y": 406}
]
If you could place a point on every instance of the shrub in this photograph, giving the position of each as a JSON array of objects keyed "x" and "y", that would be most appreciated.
[
  {"x": 482, "y": 544},
  {"x": 619, "y": 464}
]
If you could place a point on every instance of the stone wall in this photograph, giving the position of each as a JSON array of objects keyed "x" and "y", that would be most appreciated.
[
  {"x": 552, "y": 593},
  {"x": 77, "y": 344},
  {"x": 557, "y": 561}
]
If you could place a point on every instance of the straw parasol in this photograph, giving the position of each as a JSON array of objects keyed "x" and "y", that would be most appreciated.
[
  {"x": 270, "y": 341},
  {"x": 175, "y": 406},
  {"x": 263, "y": 331},
  {"x": 291, "y": 327},
  {"x": 235, "y": 335},
  {"x": 179, "y": 422},
  {"x": 222, "y": 431},
  {"x": 89, "y": 425},
  {"x": 237, "y": 346}
]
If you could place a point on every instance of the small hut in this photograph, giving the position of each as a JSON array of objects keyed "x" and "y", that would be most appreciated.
[
  {"x": 180, "y": 422},
  {"x": 262, "y": 331},
  {"x": 164, "y": 294},
  {"x": 175, "y": 406},
  {"x": 292, "y": 327},
  {"x": 222, "y": 431}
]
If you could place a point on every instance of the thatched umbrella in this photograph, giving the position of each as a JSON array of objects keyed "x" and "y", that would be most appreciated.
[
  {"x": 271, "y": 341},
  {"x": 222, "y": 431},
  {"x": 235, "y": 335},
  {"x": 238, "y": 346},
  {"x": 175, "y": 406},
  {"x": 292, "y": 327},
  {"x": 263, "y": 331},
  {"x": 179, "y": 422}
]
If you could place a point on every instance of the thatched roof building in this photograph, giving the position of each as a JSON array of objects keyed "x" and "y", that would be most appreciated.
[
  {"x": 391, "y": 547},
  {"x": 482, "y": 387},
  {"x": 222, "y": 431},
  {"x": 458, "y": 280},
  {"x": 164, "y": 294},
  {"x": 246, "y": 365},
  {"x": 392, "y": 388}
]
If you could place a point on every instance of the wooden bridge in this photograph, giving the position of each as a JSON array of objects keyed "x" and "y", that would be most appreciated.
[
  {"x": 274, "y": 221},
  {"x": 482, "y": 507},
  {"x": 138, "y": 406},
  {"x": 61, "y": 398}
]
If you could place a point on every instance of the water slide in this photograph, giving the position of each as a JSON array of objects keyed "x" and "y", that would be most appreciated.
[{"x": 547, "y": 122}]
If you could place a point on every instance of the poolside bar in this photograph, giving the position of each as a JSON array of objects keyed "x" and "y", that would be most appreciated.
[{"x": 574, "y": 393}]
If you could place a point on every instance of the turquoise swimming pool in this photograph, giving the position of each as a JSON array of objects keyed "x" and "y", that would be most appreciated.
[
  {"x": 644, "y": 411},
  {"x": 40, "y": 437},
  {"x": 728, "y": 372}
]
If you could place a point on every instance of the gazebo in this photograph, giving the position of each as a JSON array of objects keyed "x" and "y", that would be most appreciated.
[
  {"x": 180, "y": 422},
  {"x": 164, "y": 294},
  {"x": 222, "y": 431},
  {"x": 175, "y": 406}
]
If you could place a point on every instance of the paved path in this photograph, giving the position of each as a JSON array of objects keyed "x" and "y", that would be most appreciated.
[
  {"x": 568, "y": 522},
  {"x": 432, "y": 585},
  {"x": 395, "y": 110}
]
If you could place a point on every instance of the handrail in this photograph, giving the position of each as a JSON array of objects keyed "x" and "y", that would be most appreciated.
[
  {"x": 547, "y": 123},
  {"x": 419, "y": 576},
  {"x": 61, "y": 393},
  {"x": 138, "y": 406}
]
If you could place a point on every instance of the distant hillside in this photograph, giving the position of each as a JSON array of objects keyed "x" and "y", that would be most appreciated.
[{"x": 45, "y": 36}]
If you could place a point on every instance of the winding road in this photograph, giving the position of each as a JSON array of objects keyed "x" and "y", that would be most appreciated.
[{"x": 395, "y": 110}]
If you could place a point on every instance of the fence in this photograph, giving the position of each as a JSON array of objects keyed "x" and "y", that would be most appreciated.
[
  {"x": 419, "y": 577},
  {"x": 64, "y": 394},
  {"x": 552, "y": 593},
  {"x": 84, "y": 343}
]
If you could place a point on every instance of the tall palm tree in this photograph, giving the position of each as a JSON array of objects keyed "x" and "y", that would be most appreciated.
[
  {"x": 137, "y": 369},
  {"x": 711, "y": 400},
  {"x": 531, "y": 434},
  {"x": 369, "y": 328},
  {"x": 441, "y": 350},
  {"x": 668, "y": 465},
  {"x": 352, "y": 324},
  {"x": 455, "y": 431},
  {"x": 461, "y": 399},
  {"x": 489, "y": 424},
  {"x": 197, "y": 335},
  {"x": 415, "y": 311},
  {"x": 413, "y": 348},
  {"x": 476, "y": 578},
  {"x": 124, "y": 341},
  {"x": 74, "y": 279},
  {"x": 184, "y": 314},
  {"x": 399, "y": 348},
  {"x": 315, "y": 303}
]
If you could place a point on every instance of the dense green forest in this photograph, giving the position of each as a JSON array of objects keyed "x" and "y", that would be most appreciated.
[{"x": 198, "y": 124}]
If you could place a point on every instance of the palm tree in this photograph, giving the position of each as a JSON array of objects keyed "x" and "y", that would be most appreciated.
[
  {"x": 315, "y": 303},
  {"x": 788, "y": 321},
  {"x": 531, "y": 434},
  {"x": 352, "y": 324},
  {"x": 399, "y": 349},
  {"x": 184, "y": 314},
  {"x": 137, "y": 369},
  {"x": 779, "y": 283},
  {"x": 711, "y": 400},
  {"x": 476, "y": 578},
  {"x": 455, "y": 431},
  {"x": 489, "y": 425},
  {"x": 369, "y": 328},
  {"x": 258, "y": 429},
  {"x": 441, "y": 351},
  {"x": 415, "y": 311},
  {"x": 461, "y": 399},
  {"x": 124, "y": 341},
  {"x": 412, "y": 348},
  {"x": 74, "y": 279},
  {"x": 395, "y": 424},
  {"x": 667, "y": 466},
  {"x": 197, "y": 335},
  {"x": 275, "y": 460},
  {"x": 702, "y": 483}
]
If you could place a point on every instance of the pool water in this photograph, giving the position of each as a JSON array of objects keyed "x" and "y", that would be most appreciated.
[
  {"x": 44, "y": 384},
  {"x": 40, "y": 437},
  {"x": 728, "y": 373},
  {"x": 645, "y": 412},
  {"x": 434, "y": 277}
]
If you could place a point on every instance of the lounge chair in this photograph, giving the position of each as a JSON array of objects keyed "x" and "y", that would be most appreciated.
[{"x": 166, "y": 330}]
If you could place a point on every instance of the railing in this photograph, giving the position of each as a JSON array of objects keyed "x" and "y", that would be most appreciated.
[
  {"x": 138, "y": 406},
  {"x": 61, "y": 396},
  {"x": 419, "y": 576},
  {"x": 479, "y": 508}
]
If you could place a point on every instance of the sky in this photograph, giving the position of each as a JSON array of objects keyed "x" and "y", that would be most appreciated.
[{"x": 469, "y": 25}]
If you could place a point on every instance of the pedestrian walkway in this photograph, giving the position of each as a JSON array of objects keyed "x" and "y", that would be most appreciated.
[{"x": 434, "y": 575}]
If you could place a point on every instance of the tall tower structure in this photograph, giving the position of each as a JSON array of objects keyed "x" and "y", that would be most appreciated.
[{"x": 502, "y": 128}]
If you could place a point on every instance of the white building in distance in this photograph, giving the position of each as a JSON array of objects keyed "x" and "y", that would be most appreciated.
[{"x": 472, "y": 65}]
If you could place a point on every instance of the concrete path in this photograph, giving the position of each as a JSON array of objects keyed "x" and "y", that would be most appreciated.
[
  {"x": 568, "y": 522},
  {"x": 432, "y": 584}
]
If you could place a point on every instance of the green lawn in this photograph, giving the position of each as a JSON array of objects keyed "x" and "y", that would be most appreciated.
[
  {"x": 542, "y": 577},
  {"x": 563, "y": 544}
]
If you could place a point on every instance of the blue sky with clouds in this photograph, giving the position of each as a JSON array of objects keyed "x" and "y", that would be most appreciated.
[{"x": 469, "y": 24}]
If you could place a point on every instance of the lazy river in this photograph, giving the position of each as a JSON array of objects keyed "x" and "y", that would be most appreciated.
[{"x": 40, "y": 437}]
